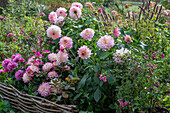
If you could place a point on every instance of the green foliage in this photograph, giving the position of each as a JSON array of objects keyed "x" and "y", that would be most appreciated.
[{"x": 5, "y": 107}]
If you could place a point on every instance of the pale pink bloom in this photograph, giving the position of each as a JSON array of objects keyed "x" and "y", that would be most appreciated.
[
  {"x": 19, "y": 74},
  {"x": 44, "y": 89},
  {"x": 52, "y": 17},
  {"x": 105, "y": 42},
  {"x": 56, "y": 63},
  {"x": 87, "y": 34},
  {"x": 77, "y": 4},
  {"x": 26, "y": 79},
  {"x": 61, "y": 12},
  {"x": 29, "y": 72},
  {"x": 34, "y": 68},
  {"x": 47, "y": 66},
  {"x": 116, "y": 32},
  {"x": 122, "y": 52},
  {"x": 52, "y": 74},
  {"x": 52, "y": 56},
  {"x": 67, "y": 68},
  {"x": 75, "y": 12},
  {"x": 66, "y": 42},
  {"x": 62, "y": 57},
  {"x": 128, "y": 39},
  {"x": 54, "y": 32},
  {"x": 84, "y": 52},
  {"x": 114, "y": 13},
  {"x": 59, "y": 21},
  {"x": 100, "y": 10}
]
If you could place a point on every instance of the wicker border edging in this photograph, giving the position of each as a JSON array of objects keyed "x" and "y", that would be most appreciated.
[{"x": 29, "y": 103}]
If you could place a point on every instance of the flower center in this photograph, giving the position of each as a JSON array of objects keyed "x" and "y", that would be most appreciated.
[
  {"x": 75, "y": 12},
  {"x": 53, "y": 33},
  {"x": 83, "y": 53}
]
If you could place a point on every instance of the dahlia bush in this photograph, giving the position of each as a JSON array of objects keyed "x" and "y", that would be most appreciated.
[{"x": 79, "y": 63}]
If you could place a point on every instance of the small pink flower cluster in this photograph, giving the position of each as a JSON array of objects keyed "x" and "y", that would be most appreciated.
[
  {"x": 9, "y": 65},
  {"x": 103, "y": 78},
  {"x": 123, "y": 104},
  {"x": 120, "y": 54},
  {"x": 11, "y": 34},
  {"x": 58, "y": 16},
  {"x": 33, "y": 68},
  {"x": 75, "y": 10}
]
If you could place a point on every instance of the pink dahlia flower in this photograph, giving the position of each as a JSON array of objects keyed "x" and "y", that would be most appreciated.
[
  {"x": 66, "y": 42},
  {"x": 84, "y": 52},
  {"x": 128, "y": 39},
  {"x": 75, "y": 12},
  {"x": 34, "y": 68},
  {"x": 105, "y": 42},
  {"x": 29, "y": 72},
  {"x": 52, "y": 56},
  {"x": 114, "y": 13},
  {"x": 19, "y": 74},
  {"x": 17, "y": 58},
  {"x": 87, "y": 34},
  {"x": 47, "y": 66},
  {"x": 100, "y": 10},
  {"x": 44, "y": 89},
  {"x": 77, "y": 4},
  {"x": 52, "y": 74},
  {"x": 62, "y": 57},
  {"x": 36, "y": 62},
  {"x": 61, "y": 12},
  {"x": 52, "y": 17},
  {"x": 11, "y": 66},
  {"x": 59, "y": 21},
  {"x": 6, "y": 62},
  {"x": 26, "y": 79},
  {"x": 116, "y": 32},
  {"x": 54, "y": 32}
]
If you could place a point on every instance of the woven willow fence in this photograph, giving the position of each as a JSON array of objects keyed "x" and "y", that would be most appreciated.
[{"x": 33, "y": 104}]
